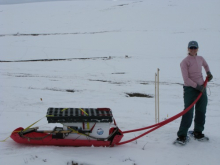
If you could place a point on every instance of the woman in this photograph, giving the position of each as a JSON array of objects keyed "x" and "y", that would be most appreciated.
[{"x": 191, "y": 68}]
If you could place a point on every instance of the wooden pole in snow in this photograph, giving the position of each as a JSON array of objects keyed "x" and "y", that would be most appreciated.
[
  {"x": 155, "y": 97},
  {"x": 157, "y": 112},
  {"x": 158, "y": 108}
]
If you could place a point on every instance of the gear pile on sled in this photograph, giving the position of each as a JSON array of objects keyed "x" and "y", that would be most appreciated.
[{"x": 81, "y": 127}]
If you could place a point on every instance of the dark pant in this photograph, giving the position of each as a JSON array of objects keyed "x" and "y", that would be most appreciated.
[{"x": 190, "y": 94}]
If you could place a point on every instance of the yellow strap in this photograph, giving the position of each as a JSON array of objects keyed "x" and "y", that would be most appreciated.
[
  {"x": 33, "y": 124},
  {"x": 75, "y": 131},
  {"x": 64, "y": 109},
  {"x": 23, "y": 129},
  {"x": 83, "y": 111},
  {"x": 87, "y": 125},
  {"x": 5, "y": 139},
  {"x": 50, "y": 116},
  {"x": 8, "y": 137}
]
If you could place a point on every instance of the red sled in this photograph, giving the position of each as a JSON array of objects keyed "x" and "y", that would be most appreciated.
[{"x": 81, "y": 127}]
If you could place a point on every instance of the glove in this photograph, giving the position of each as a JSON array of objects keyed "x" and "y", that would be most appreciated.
[
  {"x": 200, "y": 88},
  {"x": 209, "y": 75}
]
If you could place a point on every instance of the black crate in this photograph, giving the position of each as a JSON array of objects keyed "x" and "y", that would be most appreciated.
[{"x": 72, "y": 115}]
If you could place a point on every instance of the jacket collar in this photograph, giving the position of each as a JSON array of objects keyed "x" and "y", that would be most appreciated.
[{"x": 192, "y": 55}]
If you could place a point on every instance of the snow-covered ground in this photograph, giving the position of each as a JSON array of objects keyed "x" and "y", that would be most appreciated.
[{"x": 152, "y": 33}]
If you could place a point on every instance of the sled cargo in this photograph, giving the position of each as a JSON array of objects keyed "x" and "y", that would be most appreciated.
[{"x": 81, "y": 127}]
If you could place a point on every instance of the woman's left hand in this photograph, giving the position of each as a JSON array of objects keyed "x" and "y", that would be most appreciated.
[{"x": 209, "y": 75}]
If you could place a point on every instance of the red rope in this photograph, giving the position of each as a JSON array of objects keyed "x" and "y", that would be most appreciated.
[{"x": 158, "y": 125}]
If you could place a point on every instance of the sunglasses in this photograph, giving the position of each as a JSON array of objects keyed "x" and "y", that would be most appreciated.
[{"x": 193, "y": 48}]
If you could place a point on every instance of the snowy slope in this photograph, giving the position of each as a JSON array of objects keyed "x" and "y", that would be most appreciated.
[{"x": 153, "y": 34}]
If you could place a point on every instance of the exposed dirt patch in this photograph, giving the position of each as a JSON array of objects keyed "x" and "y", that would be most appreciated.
[
  {"x": 55, "y": 89},
  {"x": 123, "y": 4},
  {"x": 49, "y": 34},
  {"x": 100, "y": 80},
  {"x": 119, "y": 73},
  {"x": 75, "y": 163},
  {"x": 70, "y": 90},
  {"x": 61, "y": 90},
  {"x": 161, "y": 83},
  {"x": 63, "y": 59},
  {"x": 111, "y": 82},
  {"x": 53, "y": 78},
  {"x": 144, "y": 83},
  {"x": 138, "y": 95}
]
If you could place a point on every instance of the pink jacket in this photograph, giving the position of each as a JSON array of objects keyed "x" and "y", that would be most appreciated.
[{"x": 191, "y": 68}]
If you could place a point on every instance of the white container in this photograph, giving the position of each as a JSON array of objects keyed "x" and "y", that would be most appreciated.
[{"x": 100, "y": 130}]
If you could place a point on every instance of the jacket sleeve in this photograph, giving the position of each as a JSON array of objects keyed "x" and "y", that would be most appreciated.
[
  {"x": 205, "y": 65},
  {"x": 185, "y": 74}
]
